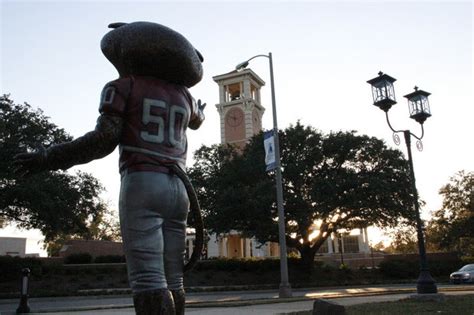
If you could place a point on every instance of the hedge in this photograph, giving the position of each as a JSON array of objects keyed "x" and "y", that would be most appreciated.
[
  {"x": 398, "y": 268},
  {"x": 11, "y": 267},
  {"x": 107, "y": 259},
  {"x": 80, "y": 258},
  {"x": 248, "y": 264},
  {"x": 409, "y": 267}
]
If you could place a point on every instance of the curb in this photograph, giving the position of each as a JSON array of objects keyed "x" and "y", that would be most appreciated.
[
  {"x": 201, "y": 289},
  {"x": 239, "y": 303}
]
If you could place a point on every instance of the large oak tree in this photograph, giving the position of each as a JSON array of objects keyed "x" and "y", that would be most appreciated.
[
  {"x": 57, "y": 203},
  {"x": 335, "y": 181}
]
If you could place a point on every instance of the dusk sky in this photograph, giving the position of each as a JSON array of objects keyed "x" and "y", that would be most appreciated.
[{"x": 324, "y": 52}]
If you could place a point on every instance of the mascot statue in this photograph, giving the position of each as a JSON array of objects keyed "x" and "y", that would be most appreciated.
[{"x": 146, "y": 112}]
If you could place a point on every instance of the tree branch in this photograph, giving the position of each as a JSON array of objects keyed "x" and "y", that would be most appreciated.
[{"x": 12, "y": 217}]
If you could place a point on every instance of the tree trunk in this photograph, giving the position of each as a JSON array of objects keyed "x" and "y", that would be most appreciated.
[{"x": 307, "y": 257}]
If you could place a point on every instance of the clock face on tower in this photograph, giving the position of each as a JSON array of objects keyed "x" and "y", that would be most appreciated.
[
  {"x": 234, "y": 117},
  {"x": 234, "y": 125}
]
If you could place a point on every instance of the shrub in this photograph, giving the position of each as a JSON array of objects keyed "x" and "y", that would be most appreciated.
[
  {"x": 107, "y": 259},
  {"x": 467, "y": 260},
  {"x": 238, "y": 264},
  {"x": 444, "y": 267},
  {"x": 256, "y": 265},
  {"x": 53, "y": 269},
  {"x": 408, "y": 266},
  {"x": 399, "y": 268},
  {"x": 81, "y": 258},
  {"x": 344, "y": 267}
]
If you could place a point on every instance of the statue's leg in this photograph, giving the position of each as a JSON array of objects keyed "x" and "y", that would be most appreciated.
[
  {"x": 174, "y": 233},
  {"x": 141, "y": 221}
]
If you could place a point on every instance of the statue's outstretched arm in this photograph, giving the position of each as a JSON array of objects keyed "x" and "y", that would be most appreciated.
[{"x": 93, "y": 145}]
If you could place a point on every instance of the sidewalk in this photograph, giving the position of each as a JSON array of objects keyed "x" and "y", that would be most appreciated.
[{"x": 229, "y": 302}]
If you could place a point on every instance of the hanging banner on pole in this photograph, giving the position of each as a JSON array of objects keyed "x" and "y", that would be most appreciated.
[{"x": 269, "y": 143}]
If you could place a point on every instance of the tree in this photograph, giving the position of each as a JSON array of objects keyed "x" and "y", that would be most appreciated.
[
  {"x": 337, "y": 181},
  {"x": 57, "y": 203},
  {"x": 452, "y": 226},
  {"x": 403, "y": 240}
]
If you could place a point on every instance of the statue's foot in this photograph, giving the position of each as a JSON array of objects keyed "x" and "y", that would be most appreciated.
[
  {"x": 156, "y": 302},
  {"x": 179, "y": 301}
]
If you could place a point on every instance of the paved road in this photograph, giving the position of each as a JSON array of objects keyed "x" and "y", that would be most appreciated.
[{"x": 229, "y": 302}]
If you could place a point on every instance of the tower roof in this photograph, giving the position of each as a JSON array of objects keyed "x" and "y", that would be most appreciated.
[{"x": 234, "y": 74}]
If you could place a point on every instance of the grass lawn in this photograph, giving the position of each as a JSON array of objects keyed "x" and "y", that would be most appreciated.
[{"x": 459, "y": 305}]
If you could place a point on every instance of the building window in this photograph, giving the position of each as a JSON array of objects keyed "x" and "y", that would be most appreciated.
[
  {"x": 351, "y": 244},
  {"x": 233, "y": 92}
]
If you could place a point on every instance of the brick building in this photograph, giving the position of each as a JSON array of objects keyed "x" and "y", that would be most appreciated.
[{"x": 94, "y": 248}]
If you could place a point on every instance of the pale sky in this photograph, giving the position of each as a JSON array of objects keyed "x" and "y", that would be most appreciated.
[{"x": 324, "y": 52}]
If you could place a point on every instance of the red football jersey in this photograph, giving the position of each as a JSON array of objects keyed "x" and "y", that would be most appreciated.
[{"x": 156, "y": 115}]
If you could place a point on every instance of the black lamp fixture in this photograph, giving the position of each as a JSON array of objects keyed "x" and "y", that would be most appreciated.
[
  {"x": 418, "y": 105},
  {"x": 383, "y": 94}
]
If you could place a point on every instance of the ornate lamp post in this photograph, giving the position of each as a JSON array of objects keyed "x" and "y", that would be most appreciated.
[
  {"x": 384, "y": 97},
  {"x": 285, "y": 288}
]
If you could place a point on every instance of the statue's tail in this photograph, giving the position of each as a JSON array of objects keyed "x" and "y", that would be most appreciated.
[{"x": 195, "y": 211}]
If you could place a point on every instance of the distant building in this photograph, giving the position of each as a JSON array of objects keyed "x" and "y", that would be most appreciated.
[
  {"x": 94, "y": 248},
  {"x": 233, "y": 245},
  {"x": 355, "y": 242},
  {"x": 13, "y": 246}
]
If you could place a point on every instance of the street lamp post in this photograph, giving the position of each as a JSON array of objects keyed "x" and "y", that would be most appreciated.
[
  {"x": 384, "y": 97},
  {"x": 341, "y": 248},
  {"x": 285, "y": 288}
]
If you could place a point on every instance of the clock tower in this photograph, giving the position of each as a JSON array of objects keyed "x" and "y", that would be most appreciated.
[
  {"x": 241, "y": 112},
  {"x": 239, "y": 106}
]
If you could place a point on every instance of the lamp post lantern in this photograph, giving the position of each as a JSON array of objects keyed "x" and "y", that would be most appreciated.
[
  {"x": 384, "y": 97},
  {"x": 418, "y": 105},
  {"x": 285, "y": 288},
  {"x": 383, "y": 92}
]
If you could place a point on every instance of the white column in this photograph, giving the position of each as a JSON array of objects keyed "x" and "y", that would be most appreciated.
[
  {"x": 248, "y": 121},
  {"x": 247, "y": 247},
  {"x": 191, "y": 246},
  {"x": 225, "y": 247},
  {"x": 221, "y": 111},
  {"x": 221, "y": 94},
  {"x": 336, "y": 244},
  {"x": 366, "y": 241},
  {"x": 330, "y": 245},
  {"x": 247, "y": 93}
]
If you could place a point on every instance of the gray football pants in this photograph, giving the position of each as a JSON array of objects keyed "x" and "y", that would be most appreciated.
[{"x": 153, "y": 210}]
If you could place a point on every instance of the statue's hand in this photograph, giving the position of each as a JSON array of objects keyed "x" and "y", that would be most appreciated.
[
  {"x": 198, "y": 117},
  {"x": 30, "y": 163},
  {"x": 201, "y": 106}
]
